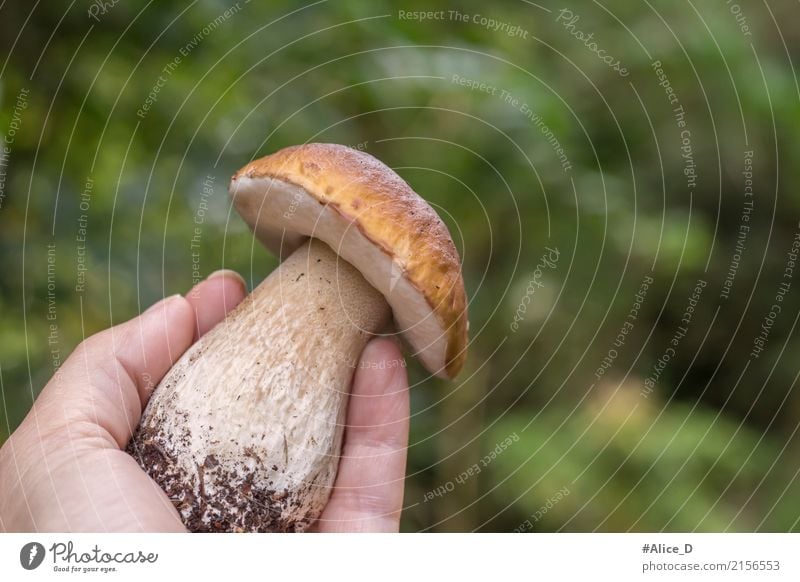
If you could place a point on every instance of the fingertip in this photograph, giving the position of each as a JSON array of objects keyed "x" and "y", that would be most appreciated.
[
  {"x": 379, "y": 398},
  {"x": 228, "y": 274},
  {"x": 214, "y": 297},
  {"x": 176, "y": 318},
  {"x": 380, "y": 365},
  {"x": 174, "y": 309},
  {"x": 157, "y": 338},
  {"x": 381, "y": 348}
]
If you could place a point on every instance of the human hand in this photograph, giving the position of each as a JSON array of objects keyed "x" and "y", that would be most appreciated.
[{"x": 65, "y": 468}]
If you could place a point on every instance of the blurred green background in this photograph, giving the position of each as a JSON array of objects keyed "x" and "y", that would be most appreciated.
[{"x": 712, "y": 445}]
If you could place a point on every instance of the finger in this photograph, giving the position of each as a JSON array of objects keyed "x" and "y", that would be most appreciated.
[
  {"x": 104, "y": 385},
  {"x": 214, "y": 298},
  {"x": 368, "y": 494},
  {"x": 88, "y": 411},
  {"x": 101, "y": 388}
]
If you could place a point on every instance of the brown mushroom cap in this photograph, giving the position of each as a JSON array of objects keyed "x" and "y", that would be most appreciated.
[{"x": 374, "y": 220}]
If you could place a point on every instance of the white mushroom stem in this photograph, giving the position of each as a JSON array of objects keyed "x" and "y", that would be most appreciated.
[{"x": 244, "y": 432}]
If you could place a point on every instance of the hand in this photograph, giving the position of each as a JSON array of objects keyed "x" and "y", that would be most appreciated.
[{"x": 64, "y": 468}]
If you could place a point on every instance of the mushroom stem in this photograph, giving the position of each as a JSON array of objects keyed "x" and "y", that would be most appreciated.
[{"x": 244, "y": 432}]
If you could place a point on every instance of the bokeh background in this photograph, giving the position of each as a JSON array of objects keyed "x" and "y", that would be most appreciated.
[{"x": 103, "y": 184}]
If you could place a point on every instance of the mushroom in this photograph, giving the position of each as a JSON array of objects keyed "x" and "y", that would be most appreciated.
[{"x": 244, "y": 432}]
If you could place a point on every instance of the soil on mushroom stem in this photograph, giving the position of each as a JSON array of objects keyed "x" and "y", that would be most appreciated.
[{"x": 215, "y": 499}]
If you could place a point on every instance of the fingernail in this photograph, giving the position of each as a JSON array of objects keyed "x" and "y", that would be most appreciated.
[{"x": 228, "y": 273}]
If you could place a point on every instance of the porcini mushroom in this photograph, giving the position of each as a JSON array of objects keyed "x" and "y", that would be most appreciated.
[{"x": 244, "y": 432}]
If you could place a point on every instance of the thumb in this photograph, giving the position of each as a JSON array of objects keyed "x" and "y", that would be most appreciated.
[{"x": 101, "y": 389}]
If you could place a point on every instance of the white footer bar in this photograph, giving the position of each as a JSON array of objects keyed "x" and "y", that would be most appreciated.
[{"x": 409, "y": 557}]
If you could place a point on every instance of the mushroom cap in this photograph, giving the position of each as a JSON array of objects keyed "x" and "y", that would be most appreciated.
[{"x": 373, "y": 219}]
